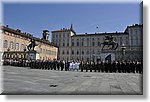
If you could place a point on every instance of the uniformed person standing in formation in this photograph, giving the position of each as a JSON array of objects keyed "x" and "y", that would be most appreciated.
[{"x": 100, "y": 66}]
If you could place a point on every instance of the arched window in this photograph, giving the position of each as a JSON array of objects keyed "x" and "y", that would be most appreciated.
[
  {"x": 5, "y": 44},
  {"x": 17, "y": 46},
  {"x": 12, "y": 45},
  {"x": 22, "y": 47}
]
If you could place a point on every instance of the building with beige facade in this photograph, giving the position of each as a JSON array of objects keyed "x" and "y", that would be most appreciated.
[
  {"x": 17, "y": 41},
  {"x": 73, "y": 46}
]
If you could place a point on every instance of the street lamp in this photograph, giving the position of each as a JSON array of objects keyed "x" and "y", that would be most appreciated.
[{"x": 123, "y": 48}]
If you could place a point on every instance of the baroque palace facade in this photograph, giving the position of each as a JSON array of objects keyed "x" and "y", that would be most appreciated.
[
  {"x": 17, "y": 41},
  {"x": 73, "y": 46}
]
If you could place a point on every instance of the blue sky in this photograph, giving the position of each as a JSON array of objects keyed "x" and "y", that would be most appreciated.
[{"x": 34, "y": 17}]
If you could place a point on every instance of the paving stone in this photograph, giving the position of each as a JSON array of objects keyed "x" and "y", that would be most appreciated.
[{"x": 19, "y": 80}]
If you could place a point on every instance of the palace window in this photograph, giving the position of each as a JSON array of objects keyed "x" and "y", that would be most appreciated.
[
  {"x": 77, "y": 52},
  {"x": 67, "y": 52},
  {"x": 98, "y": 52},
  {"x": 5, "y": 44},
  {"x": 98, "y": 44},
  {"x": 120, "y": 40},
  {"x": 77, "y": 43},
  {"x": 131, "y": 31},
  {"x": 83, "y": 52},
  {"x": 40, "y": 50},
  {"x": 43, "y": 51},
  {"x": 88, "y": 43},
  {"x": 59, "y": 35},
  {"x": 53, "y": 36},
  {"x": 87, "y": 52},
  {"x": 17, "y": 46},
  {"x": 12, "y": 45},
  {"x": 136, "y": 31},
  {"x": 93, "y": 52},
  {"x": 72, "y": 43},
  {"x": 93, "y": 43},
  {"x": 72, "y": 52},
  {"x": 63, "y": 52},
  {"x": 136, "y": 40},
  {"x": 82, "y": 44}
]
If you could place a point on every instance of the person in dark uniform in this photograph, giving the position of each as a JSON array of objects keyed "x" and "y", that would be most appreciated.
[
  {"x": 81, "y": 66},
  {"x": 98, "y": 65},
  {"x": 52, "y": 65},
  {"x": 42, "y": 64},
  {"x": 136, "y": 66},
  {"x": 114, "y": 67},
  {"x": 38, "y": 64},
  {"x": 133, "y": 67},
  {"x": 127, "y": 66},
  {"x": 90, "y": 66},
  {"x": 140, "y": 65},
  {"x": 67, "y": 63},
  {"x": 55, "y": 65},
  {"x": 58, "y": 63},
  {"x": 123, "y": 66},
  {"x": 87, "y": 66},
  {"x": 49, "y": 64},
  {"x": 119, "y": 66},
  {"x": 95, "y": 66},
  {"x": 109, "y": 67},
  {"x": 106, "y": 66},
  {"x": 102, "y": 66},
  {"x": 62, "y": 65}
]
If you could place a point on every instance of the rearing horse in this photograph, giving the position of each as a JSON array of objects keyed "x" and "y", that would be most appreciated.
[
  {"x": 32, "y": 45},
  {"x": 110, "y": 42}
]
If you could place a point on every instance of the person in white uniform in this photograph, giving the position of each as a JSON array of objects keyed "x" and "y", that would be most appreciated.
[{"x": 71, "y": 66}]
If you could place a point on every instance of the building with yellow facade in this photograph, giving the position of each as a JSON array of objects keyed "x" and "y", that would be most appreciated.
[{"x": 17, "y": 41}]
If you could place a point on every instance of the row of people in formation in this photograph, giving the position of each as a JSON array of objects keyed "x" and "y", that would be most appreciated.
[{"x": 100, "y": 66}]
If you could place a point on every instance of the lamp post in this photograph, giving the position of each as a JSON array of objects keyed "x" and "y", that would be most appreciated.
[{"x": 123, "y": 48}]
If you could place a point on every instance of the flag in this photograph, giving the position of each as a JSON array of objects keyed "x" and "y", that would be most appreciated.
[{"x": 108, "y": 57}]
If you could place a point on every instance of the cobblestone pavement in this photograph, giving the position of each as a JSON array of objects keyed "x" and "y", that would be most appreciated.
[{"x": 19, "y": 80}]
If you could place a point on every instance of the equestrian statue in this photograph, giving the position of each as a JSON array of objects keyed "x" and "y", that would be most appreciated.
[
  {"x": 32, "y": 45},
  {"x": 109, "y": 42}
]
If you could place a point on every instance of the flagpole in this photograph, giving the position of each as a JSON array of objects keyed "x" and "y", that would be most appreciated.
[{"x": 97, "y": 27}]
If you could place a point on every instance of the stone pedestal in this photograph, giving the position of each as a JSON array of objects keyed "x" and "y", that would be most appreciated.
[
  {"x": 106, "y": 53},
  {"x": 33, "y": 55}
]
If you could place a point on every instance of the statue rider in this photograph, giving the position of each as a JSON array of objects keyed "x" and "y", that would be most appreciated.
[{"x": 31, "y": 45}]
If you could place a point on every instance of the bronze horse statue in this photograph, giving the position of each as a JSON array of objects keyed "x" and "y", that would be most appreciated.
[
  {"x": 109, "y": 42},
  {"x": 32, "y": 45}
]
